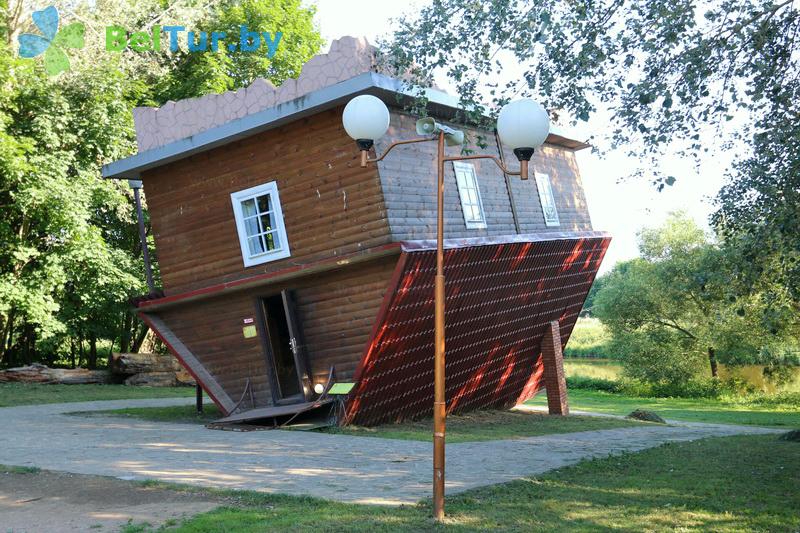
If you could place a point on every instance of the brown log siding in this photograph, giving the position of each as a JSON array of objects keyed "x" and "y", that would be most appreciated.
[
  {"x": 335, "y": 310},
  {"x": 331, "y": 206},
  {"x": 408, "y": 176}
]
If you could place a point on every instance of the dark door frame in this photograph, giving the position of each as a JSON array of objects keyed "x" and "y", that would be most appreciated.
[{"x": 298, "y": 349}]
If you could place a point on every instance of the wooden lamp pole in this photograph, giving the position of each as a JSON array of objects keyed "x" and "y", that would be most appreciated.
[{"x": 366, "y": 118}]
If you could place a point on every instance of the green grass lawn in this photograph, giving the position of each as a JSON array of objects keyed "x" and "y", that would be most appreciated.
[
  {"x": 749, "y": 483},
  {"x": 12, "y": 394},
  {"x": 487, "y": 425},
  {"x": 690, "y": 409},
  {"x": 176, "y": 413},
  {"x": 592, "y": 368}
]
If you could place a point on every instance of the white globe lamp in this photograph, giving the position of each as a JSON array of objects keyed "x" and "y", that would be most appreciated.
[
  {"x": 365, "y": 119},
  {"x": 523, "y": 125}
]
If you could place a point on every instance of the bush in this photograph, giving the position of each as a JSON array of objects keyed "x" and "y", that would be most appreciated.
[
  {"x": 585, "y": 383},
  {"x": 782, "y": 400},
  {"x": 657, "y": 356}
]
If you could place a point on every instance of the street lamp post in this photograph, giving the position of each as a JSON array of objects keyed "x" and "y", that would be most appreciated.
[{"x": 523, "y": 125}]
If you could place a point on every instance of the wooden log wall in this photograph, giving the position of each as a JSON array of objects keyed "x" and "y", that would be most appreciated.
[
  {"x": 336, "y": 311},
  {"x": 408, "y": 176},
  {"x": 331, "y": 206}
]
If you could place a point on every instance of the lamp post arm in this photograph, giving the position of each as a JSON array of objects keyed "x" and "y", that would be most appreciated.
[
  {"x": 364, "y": 159},
  {"x": 522, "y": 172}
]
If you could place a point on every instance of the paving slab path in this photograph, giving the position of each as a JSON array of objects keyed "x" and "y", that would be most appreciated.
[{"x": 338, "y": 467}]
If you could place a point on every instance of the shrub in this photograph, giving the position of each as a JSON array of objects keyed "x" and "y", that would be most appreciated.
[
  {"x": 657, "y": 356},
  {"x": 599, "y": 384}
]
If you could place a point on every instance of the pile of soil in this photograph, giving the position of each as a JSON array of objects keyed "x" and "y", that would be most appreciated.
[
  {"x": 793, "y": 435},
  {"x": 646, "y": 416}
]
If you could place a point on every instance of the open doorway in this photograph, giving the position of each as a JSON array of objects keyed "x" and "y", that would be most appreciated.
[{"x": 283, "y": 348}]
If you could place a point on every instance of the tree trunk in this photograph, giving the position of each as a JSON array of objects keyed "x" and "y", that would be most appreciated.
[
  {"x": 27, "y": 343},
  {"x": 92, "y": 363},
  {"x": 37, "y": 373},
  {"x": 139, "y": 340},
  {"x": 81, "y": 349},
  {"x": 138, "y": 363},
  {"x": 712, "y": 361},
  {"x": 72, "y": 352},
  {"x": 7, "y": 333}
]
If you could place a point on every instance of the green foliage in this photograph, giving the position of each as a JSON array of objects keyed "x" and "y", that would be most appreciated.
[
  {"x": 70, "y": 259},
  {"x": 675, "y": 310},
  {"x": 196, "y": 74},
  {"x": 666, "y": 71},
  {"x": 587, "y": 383}
]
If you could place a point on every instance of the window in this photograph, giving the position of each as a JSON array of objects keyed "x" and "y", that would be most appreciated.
[
  {"x": 547, "y": 200},
  {"x": 259, "y": 221},
  {"x": 470, "y": 195}
]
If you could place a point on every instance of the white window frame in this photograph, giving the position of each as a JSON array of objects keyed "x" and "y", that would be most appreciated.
[
  {"x": 547, "y": 200},
  {"x": 237, "y": 198},
  {"x": 467, "y": 181}
]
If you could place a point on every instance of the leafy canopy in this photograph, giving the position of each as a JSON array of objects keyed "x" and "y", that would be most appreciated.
[
  {"x": 676, "y": 310},
  {"x": 70, "y": 258}
]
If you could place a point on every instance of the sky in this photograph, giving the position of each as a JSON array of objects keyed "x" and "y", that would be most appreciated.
[{"x": 617, "y": 205}]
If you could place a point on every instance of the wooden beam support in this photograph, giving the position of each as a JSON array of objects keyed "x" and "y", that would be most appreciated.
[{"x": 554, "y": 380}]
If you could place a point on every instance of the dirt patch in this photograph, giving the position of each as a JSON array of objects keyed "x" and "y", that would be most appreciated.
[{"x": 56, "y": 502}]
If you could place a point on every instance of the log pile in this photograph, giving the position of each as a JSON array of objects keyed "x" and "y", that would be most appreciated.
[
  {"x": 150, "y": 369},
  {"x": 153, "y": 370},
  {"x": 37, "y": 373}
]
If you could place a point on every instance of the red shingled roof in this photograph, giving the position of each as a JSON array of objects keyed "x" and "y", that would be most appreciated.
[{"x": 500, "y": 297}]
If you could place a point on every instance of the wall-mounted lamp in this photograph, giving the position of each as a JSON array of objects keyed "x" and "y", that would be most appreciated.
[{"x": 365, "y": 119}]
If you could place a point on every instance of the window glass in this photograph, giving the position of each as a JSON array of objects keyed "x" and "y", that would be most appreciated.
[
  {"x": 470, "y": 195},
  {"x": 547, "y": 200},
  {"x": 260, "y": 224}
]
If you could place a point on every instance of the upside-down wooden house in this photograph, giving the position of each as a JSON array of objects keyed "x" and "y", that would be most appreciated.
[{"x": 285, "y": 265}]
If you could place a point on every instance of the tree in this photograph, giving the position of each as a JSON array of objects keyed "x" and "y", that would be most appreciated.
[
  {"x": 677, "y": 306},
  {"x": 682, "y": 75},
  {"x": 196, "y": 74},
  {"x": 70, "y": 258}
]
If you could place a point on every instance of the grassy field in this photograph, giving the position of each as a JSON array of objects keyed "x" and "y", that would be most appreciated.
[
  {"x": 12, "y": 394},
  {"x": 690, "y": 409},
  {"x": 723, "y": 485},
  {"x": 488, "y": 425},
  {"x": 175, "y": 413},
  {"x": 592, "y": 368},
  {"x": 589, "y": 338}
]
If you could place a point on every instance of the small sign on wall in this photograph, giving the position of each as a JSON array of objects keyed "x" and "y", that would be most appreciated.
[{"x": 249, "y": 332}]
